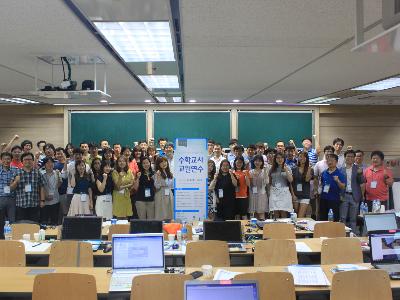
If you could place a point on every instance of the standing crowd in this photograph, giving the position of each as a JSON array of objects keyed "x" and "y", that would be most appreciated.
[{"x": 260, "y": 181}]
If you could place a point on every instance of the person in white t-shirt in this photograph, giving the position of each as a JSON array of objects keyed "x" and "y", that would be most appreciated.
[{"x": 218, "y": 157}]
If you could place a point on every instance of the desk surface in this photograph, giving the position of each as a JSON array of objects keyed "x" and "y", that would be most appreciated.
[{"x": 15, "y": 279}]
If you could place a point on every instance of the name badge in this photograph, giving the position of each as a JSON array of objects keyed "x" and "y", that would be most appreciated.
[
  {"x": 166, "y": 191},
  {"x": 122, "y": 192},
  {"x": 147, "y": 193},
  {"x": 299, "y": 187},
  {"x": 254, "y": 190},
  {"x": 326, "y": 188},
  {"x": 28, "y": 188},
  {"x": 221, "y": 193},
  {"x": 84, "y": 197},
  {"x": 7, "y": 190},
  {"x": 106, "y": 199},
  {"x": 70, "y": 190},
  {"x": 374, "y": 184}
]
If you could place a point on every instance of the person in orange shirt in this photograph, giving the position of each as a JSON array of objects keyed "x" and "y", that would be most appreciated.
[
  {"x": 378, "y": 180},
  {"x": 242, "y": 194}
]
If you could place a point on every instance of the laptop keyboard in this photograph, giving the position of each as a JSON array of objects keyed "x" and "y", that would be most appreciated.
[{"x": 235, "y": 245}]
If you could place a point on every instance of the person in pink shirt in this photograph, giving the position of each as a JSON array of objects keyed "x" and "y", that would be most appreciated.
[{"x": 378, "y": 180}]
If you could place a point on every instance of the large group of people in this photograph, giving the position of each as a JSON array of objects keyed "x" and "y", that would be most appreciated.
[{"x": 123, "y": 182}]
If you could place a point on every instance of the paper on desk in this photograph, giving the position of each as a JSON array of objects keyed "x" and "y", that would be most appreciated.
[
  {"x": 348, "y": 267},
  {"x": 225, "y": 274},
  {"x": 108, "y": 223},
  {"x": 308, "y": 275},
  {"x": 302, "y": 247},
  {"x": 41, "y": 247}
]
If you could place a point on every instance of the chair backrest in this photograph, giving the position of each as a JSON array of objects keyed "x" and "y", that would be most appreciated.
[
  {"x": 275, "y": 253},
  {"x": 272, "y": 285},
  {"x": 63, "y": 286},
  {"x": 170, "y": 286},
  {"x": 361, "y": 285},
  {"x": 118, "y": 229},
  {"x": 71, "y": 254},
  {"x": 18, "y": 230},
  {"x": 279, "y": 231},
  {"x": 341, "y": 251},
  {"x": 329, "y": 229},
  {"x": 12, "y": 254},
  {"x": 215, "y": 253}
]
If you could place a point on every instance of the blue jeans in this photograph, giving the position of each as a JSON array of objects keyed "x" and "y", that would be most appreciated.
[{"x": 349, "y": 209}]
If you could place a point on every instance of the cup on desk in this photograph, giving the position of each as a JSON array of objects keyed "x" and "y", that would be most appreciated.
[
  {"x": 207, "y": 271},
  {"x": 195, "y": 237},
  {"x": 26, "y": 237},
  {"x": 36, "y": 236},
  {"x": 171, "y": 237},
  {"x": 113, "y": 221}
]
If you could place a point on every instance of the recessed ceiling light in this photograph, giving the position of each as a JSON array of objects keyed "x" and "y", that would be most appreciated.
[
  {"x": 160, "y": 81},
  {"x": 139, "y": 41},
  {"x": 236, "y": 100},
  {"x": 379, "y": 85},
  {"x": 147, "y": 101},
  {"x": 278, "y": 101},
  {"x": 192, "y": 101},
  {"x": 103, "y": 101}
]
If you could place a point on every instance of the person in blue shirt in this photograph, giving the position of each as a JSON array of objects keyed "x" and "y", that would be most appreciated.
[
  {"x": 291, "y": 159},
  {"x": 333, "y": 181},
  {"x": 162, "y": 142}
]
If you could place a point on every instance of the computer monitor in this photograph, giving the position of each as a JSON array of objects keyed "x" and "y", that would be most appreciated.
[
  {"x": 138, "y": 251},
  {"x": 229, "y": 231},
  {"x": 146, "y": 226},
  {"x": 216, "y": 290},
  {"x": 379, "y": 221},
  {"x": 385, "y": 246},
  {"x": 81, "y": 228}
]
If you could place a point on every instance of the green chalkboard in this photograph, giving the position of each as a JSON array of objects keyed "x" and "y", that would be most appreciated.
[
  {"x": 270, "y": 126},
  {"x": 117, "y": 127},
  {"x": 211, "y": 125}
]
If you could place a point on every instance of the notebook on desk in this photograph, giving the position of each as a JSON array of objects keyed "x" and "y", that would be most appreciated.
[
  {"x": 385, "y": 251},
  {"x": 135, "y": 254},
  {"x": 217, "y": 290}
]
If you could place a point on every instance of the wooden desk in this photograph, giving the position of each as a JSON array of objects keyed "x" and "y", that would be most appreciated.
[
  {"x": 14, "y": 281},
  {"x": 395, "y": 284}
]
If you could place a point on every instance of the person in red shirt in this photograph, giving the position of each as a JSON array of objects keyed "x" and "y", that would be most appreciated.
[
  {"x": 378, "y": 180},
  {"x": 242, "y": 196},
  {"x": 16, "y": 152}
]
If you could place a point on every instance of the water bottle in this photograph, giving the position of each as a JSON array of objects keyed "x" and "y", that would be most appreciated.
[
  {"x": 7, "y": 231},
  {"x": 363, "y": 205},
  {"x": 293, "y": 217},
  {"x": 376, "y": 206},
  {"x": 365, "y": 208},
  {"x": 330, "y": 215},
  {"x": 184, "y": 232}
]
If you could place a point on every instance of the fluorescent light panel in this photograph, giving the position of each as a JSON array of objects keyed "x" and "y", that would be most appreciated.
[
  {"x": 139, "y": 41},
  {"x": 160, "y": 81},
  {"x": 19, "y": 101},
  {"x": 381, "y": 85},
  {"x": 319, "y": 100},
  {"x": 162, "y": 99}
]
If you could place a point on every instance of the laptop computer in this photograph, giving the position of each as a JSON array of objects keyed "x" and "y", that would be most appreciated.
[
  {"x": 379, "y": 221},
  {"x": 385, "y": 251},
  {"x": 146, "y": 226},
  {"x": 217, "y": 290},
  {"x": 228, "y": 231},
  {"x": 135, "y": 254}
]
